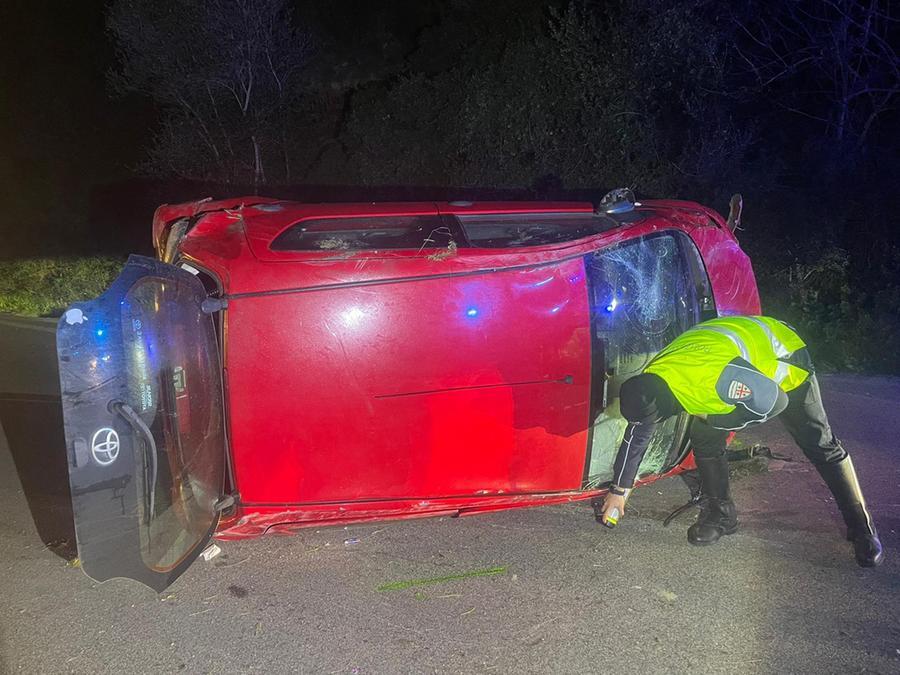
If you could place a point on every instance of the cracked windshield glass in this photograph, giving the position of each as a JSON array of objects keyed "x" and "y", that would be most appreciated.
[{"x": 644, "y": 293}]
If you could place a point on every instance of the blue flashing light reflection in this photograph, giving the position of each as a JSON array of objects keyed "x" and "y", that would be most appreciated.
[
  {"x": 472, "y": 312},
  {"x": 99, "y": 332},
  {"x": 612, "y": 305}
]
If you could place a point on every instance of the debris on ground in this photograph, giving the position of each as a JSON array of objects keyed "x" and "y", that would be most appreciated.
[
  {"x": 668, "y": 596},
  {"x": 743, "y": 461},
  {"x": 210, "y": 552},
  {"x": 748, "y": 467},
  {"x": 738, "y": 453}
]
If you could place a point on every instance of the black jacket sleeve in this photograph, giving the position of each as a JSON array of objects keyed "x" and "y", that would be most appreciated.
[{"x": 631, "y": 452}]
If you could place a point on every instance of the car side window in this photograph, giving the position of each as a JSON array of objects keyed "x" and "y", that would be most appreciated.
[
  {"x": 366, "y": 233},
  {"x": 516, "y": 230}
]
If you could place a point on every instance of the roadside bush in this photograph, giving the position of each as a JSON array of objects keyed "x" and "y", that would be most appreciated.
[
  {"x": 558, "y": 93},
  {"x": 46, "y": 286},
  {"x": 850, "y": 319}
]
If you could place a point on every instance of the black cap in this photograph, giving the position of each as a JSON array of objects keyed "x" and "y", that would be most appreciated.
[{"x": 646, "y": 398}]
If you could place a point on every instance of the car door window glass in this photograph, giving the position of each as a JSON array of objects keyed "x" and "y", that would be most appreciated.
[
  {"x": 365, "y": 233},
  {"x": 519, "y": 230}
]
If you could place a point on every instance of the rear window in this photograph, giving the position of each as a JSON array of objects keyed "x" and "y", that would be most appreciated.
[
  {"x": 520, "y": 230},
  {"x": 365, "y": 234},
  {"x": 174, "y": 386}
]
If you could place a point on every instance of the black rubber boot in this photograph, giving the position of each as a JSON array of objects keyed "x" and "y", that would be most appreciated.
[
  {"x": 840, "y": 477},
  {"x": 718, "y": 516}
]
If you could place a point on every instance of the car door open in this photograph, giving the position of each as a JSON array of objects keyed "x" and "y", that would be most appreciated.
[{"x": 141, "y": 388}]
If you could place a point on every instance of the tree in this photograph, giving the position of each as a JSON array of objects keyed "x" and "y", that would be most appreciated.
[
  {"x": 589, "y": 96},
  {"x": 831, "y": 61},
  {"x": 225, "y": 74}
]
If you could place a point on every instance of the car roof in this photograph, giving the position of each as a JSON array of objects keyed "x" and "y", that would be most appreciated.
[
  {"x": 233, "y": 239},
  {"x": 241, "y": 230},
  {"x": 264, "y": 218}
]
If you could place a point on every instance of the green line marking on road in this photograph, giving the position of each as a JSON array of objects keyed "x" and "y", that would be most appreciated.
[{"x": 400, "y": 585}]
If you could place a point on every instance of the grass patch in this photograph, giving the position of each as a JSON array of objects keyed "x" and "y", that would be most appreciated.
[
  {"x": 400, "y": 585},
  {"x": 46, "y": 286}
]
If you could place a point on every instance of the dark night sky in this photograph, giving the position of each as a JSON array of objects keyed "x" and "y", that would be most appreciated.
[
  {"x": 66, "y": 145},
  {"x": 61, "y": 132}
]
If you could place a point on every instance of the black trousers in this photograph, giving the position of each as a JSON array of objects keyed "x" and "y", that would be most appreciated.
[{"x": 804, "y": 417}]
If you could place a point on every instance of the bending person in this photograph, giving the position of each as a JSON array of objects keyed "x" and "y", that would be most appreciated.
[{"x": 731, "y": 373}]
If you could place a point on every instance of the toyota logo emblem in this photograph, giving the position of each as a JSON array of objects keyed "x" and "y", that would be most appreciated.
[{"x": 105, "y": 446}]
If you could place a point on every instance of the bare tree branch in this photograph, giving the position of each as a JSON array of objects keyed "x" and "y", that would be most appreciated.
[
  {"x": 841, "y": 47},
  {"x": 225, "y": 74}
]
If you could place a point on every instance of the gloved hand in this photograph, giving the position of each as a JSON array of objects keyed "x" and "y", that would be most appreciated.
[{"x": 614, "y": 505}]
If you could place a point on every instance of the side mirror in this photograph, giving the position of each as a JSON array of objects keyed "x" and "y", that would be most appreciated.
[
  {"x": 734, "y": 212},
  {"x": 620, "y": 200}
]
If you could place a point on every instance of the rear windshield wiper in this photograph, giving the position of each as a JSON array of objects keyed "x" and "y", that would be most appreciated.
[{"x": 151, "y": 465}]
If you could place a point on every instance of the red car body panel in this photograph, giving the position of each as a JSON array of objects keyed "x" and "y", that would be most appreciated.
[
  {"x": 345, "y": 382},
  {"x": 399, "y": 384},
  {"x": 258, "y": 520}
]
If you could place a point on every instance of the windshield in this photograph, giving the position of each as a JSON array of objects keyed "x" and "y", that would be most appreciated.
[{"x": 643, "y": 293}]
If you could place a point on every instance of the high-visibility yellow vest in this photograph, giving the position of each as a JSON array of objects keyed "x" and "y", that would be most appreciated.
[{"x": 693, "y": 362}]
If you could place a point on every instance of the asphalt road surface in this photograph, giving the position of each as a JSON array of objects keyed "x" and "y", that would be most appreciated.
[{"x": 783, "y": 595}]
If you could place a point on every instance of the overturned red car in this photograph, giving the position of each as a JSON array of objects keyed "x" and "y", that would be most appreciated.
[{"x": 284, "y": 364}]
